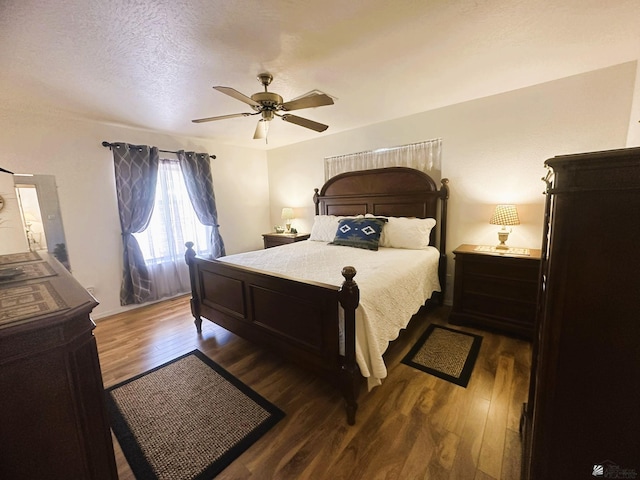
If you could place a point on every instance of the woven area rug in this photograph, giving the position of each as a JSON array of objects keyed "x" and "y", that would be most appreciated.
[
  {"x": 446, "y": 353},
  {"x": 186, "y": 419}
]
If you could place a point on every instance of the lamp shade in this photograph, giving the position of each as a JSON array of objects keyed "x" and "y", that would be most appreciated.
[
  {"x": 287, "y": 213},
  {"x": 505, "y": 215}
]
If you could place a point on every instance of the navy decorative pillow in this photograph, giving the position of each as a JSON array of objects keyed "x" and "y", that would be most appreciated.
[{"x": 359, "y": 232}]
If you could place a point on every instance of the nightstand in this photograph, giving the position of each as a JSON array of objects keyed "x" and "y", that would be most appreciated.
[
  {"x": 495, "y": 290},
  {"x": 277, "y": 239}
]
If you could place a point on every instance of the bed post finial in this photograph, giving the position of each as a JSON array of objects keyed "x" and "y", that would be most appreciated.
[
  {"x": 316, "y": 200},
  {"x": 349, "y": 297},
  {"x": 190, "y": 253},
  {"x": 442, "y": 266},
  {"x": 189, "y": 257}
]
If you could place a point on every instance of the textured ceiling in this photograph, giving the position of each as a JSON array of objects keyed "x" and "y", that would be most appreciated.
[{"x": 152, "y": 63}]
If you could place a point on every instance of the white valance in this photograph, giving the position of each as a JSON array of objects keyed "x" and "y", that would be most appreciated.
[{"x": 423, "y": 156}]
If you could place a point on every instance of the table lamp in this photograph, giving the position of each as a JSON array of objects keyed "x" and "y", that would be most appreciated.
[
  {"x": 287, "y": 216},
  {"x": 504, "y": 215}
]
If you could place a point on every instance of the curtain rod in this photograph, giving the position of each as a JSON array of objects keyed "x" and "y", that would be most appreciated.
[{"x": 111, "y": 145}]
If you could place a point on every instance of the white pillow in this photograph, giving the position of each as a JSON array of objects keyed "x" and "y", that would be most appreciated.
[
  {"x": 409, "y": 233},
  {"x": 325, "y": 226}
]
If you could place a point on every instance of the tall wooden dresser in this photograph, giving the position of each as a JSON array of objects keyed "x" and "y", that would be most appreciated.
[
  {"x": 53, "y": 421},
  {"x": 582, "y": 419}
]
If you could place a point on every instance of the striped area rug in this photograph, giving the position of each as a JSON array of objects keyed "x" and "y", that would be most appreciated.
[
  {"x": 446, "y": 353},
  {"x": 186, "y": 419}
]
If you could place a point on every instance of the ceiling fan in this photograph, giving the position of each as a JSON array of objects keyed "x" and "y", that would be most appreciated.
[{"x": 268, "y": 104}]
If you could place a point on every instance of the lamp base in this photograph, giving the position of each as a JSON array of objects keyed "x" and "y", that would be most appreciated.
[
  {"x": 503, "y": 235},
  {"x": 288, "y": 227}
]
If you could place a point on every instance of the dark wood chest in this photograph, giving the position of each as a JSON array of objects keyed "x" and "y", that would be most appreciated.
[
  {"x": 53, "y": 422},
  {"x": 581, "y": 419}
]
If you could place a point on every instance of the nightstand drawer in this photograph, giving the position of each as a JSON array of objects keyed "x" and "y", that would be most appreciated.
[
  {"x": 503, "y": 268},
  {"x": 502, "y": 308},
  {"x": 492, "y": 286},
  {"x": 275, "y": 242},
  {"x": 277, "y": 239}
]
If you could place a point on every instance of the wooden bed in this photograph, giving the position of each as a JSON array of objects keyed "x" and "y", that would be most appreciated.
[{"x": 266, "y": 308}]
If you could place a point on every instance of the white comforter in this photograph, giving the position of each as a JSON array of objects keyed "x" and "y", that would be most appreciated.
[{"x": 394, "y": 283}]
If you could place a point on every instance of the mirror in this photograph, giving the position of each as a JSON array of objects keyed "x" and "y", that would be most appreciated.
[{"x": 40, "y": 209}]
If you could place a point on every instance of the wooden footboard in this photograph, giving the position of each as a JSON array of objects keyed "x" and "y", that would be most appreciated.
[{"x": 297, "y": 319}]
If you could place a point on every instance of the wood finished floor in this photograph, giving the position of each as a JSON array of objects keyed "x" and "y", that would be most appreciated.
[{"x": 414, "y": 426}]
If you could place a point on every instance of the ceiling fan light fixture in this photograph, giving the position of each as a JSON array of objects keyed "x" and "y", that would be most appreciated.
[
  {"x": 267, "y": 115},
  {"x": 262, "y": 130}
]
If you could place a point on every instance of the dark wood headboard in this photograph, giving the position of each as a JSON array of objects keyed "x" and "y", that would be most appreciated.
[{"x": 391, "y": 192}]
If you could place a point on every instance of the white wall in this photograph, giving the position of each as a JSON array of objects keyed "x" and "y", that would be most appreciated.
[
  {"x": 493, "y": 150},
  {"x": 71, "y": 150},
  {"x": 633, "y": 136},
  {"x": 12, "y": 233}
]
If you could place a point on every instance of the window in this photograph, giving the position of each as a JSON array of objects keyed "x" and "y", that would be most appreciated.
[{"x": 173, "y": 221}]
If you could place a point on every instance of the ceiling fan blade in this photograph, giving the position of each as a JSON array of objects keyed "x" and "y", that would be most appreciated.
[
  {"x": 313, "y": 100},
  {"x": 261, "y": 129},
  {"x": 222, "y": 117},
  {"x": 232, "y": 92},
  {"x": 305, "y": 122}
]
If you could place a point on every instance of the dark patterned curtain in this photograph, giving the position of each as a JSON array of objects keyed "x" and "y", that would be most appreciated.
[
  {"x": 196, "y": 170},
  {"x": 136, "y": 169}
]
